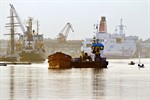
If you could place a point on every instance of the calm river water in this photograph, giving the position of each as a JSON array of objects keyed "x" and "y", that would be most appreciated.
[{"x": 119, "y": 81}]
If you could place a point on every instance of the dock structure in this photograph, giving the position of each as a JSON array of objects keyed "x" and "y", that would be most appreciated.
[
  {"x": 14, "y": 63},
  {"x": 3, "y": 64}
]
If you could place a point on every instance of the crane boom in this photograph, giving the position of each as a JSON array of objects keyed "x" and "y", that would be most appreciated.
[
  {"x": 67, "y": 31},
  {"x": 67, "y": 27},
  {"x": 18, "y": 19},
  {"x": 62, "y": 36}
]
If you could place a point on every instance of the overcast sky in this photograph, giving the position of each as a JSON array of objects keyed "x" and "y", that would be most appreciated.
[{"x": 82, "y": 14}]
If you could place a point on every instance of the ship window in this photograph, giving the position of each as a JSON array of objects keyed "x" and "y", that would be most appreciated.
[
  {"x": 101, "y": 48},
  {"x": 88, "y": 45},
  {"x": 40, "y": 38},
  {"x": 118, "y": 40},
  {"x": 21, "y": 38},
  {"x": 101, "y": 40}
]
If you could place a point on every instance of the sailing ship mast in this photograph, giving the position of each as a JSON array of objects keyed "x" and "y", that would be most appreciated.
[
  {"x": 12, "y": 55},
  {"x": 12, "y": 26},
  {"x": 140, "y": 64},
  {"x": 12, "y": 32}
]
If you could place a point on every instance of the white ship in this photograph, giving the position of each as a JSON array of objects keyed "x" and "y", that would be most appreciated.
[{"x": 117, "y": 45}]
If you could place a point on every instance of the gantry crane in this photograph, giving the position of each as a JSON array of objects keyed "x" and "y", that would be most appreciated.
[{"x": 62, "y": 36}]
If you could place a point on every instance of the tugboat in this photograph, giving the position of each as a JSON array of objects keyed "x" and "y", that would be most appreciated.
[
  {"x": 60, "y": 60},
  {"x": 96, "y": 60}
]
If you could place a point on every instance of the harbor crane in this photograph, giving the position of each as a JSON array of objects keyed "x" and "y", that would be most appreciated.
[
  {"x": 18, "y": 18},
  {"x": 62, "y": 36}
]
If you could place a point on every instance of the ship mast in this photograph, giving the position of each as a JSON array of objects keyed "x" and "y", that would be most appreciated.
[
  {"x": 12, "y": 32},
  {"x": 12, "y": 26},
  {"x": 29, "y": 30},
  {"x": 121, "y": 27},
  {"x": 38, "y": 27}
]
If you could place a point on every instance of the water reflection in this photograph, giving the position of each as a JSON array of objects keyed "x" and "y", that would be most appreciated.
[
  {"x": 11, "y": 82},
  {"x": 98, "y": 84},
  {"x": 118, "y": 82}
]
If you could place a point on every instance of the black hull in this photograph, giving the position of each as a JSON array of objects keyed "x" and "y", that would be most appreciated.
[
  {"x": 32, "y": 56},
  {"x": 90, "y": 64}
]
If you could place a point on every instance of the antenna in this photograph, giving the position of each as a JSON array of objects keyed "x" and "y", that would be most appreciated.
[
  {"x": 121, "y": 27},
  {"x": 121, "y": 21},
  {"x": 38, "y": 27}
]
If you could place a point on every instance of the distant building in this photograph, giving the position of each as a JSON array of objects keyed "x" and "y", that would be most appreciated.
[{"x": 71, "y": 47}]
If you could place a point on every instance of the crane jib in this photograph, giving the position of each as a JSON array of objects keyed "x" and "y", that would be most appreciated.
[{"x": 18, "y": 19}]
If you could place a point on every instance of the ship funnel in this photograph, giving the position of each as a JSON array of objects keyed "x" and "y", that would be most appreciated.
[{"x": 103, "y": 26}]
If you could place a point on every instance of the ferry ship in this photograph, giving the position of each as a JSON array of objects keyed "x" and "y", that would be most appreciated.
[{"x": 117, "y": 45}]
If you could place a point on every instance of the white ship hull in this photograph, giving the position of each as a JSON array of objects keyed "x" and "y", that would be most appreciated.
[{"x": 115, "y": 52}]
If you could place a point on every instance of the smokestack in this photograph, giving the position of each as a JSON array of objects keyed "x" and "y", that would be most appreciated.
[{"x": 103, "y": 26}]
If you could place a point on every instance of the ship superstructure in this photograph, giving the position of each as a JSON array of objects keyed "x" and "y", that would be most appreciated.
[
  {"x": 117, "y": 45},
  {"x": 30, "y": 45}
]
